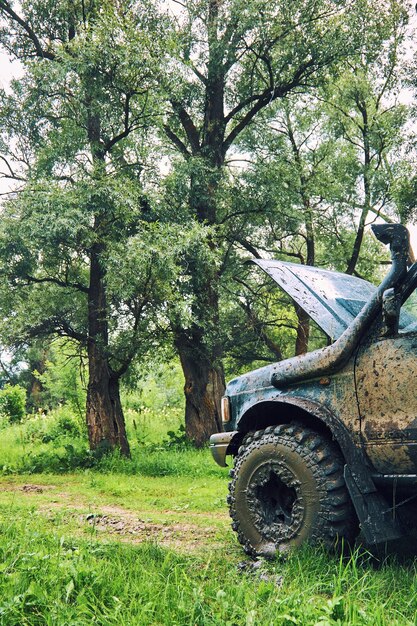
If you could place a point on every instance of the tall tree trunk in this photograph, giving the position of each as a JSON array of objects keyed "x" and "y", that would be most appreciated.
[
  {"x": 200, "y": 351},
  {"x": 351, "y": 266},
  {"x": 203, "y": 388},
  {"x": 303, "y": 331},
  {"x": 200, "y": 348},
  {"x": 104, "y": 414},
  {"x": 105, "y": 419}
]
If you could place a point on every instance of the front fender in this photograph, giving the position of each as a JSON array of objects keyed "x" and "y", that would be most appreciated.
[{"x": 305, "y": 407}]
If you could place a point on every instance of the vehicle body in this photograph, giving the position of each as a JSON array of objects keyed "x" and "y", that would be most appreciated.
[{"x": 328, "y": 439}]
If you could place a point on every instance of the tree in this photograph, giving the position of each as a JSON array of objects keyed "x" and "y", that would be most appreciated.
[
  {"x": 233, "y": 59},
  {"x": 312, "y": 180},
  {"x": 79, "y": 255},
  {"x": 292, "y": 176},
  {"x": 364, "y": 110},
  {"x": 299, "y": 197}
]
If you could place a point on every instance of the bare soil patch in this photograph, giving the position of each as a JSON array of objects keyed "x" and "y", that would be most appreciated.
[
  {"x": 128, "y": 526},
  {"x": 33, "y": 488},
  {"x": 27, "y": 488},
  {"x": 125, "y": 525}
]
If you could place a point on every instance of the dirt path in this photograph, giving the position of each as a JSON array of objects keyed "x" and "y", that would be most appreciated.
[{"x": 182, "y": 530}]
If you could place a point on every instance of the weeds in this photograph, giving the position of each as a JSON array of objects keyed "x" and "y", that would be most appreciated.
[{"x": 49, "y": 578}]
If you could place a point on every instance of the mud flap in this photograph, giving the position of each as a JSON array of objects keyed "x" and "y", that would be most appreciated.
[{"x": 375, "y": 517}]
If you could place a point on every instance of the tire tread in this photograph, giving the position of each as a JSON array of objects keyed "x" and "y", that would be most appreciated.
[{"x": 336, "y": 518}]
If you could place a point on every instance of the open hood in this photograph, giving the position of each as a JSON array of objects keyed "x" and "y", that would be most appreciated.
[{"x": 331, "y": 299}]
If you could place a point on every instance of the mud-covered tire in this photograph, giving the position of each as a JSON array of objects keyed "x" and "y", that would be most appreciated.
[{"x": 288, "y": 488}]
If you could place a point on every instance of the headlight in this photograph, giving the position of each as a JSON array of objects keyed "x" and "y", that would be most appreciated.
[{"x": 225, "y": 409}]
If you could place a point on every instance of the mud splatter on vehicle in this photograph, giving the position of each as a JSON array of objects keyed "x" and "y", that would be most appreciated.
[{"x": 326, "y": 442}]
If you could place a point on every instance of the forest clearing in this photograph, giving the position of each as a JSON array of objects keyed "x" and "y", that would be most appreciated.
[{"x": 154, "y": 156}]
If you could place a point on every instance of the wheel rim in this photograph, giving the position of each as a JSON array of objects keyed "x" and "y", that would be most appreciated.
[{"x": 275, "y": 501}]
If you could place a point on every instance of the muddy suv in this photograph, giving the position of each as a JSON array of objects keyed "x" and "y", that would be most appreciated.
[{"x": 325, "y": 443}]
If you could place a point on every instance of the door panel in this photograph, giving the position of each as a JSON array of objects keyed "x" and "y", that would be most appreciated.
[{"x": 386, "y": 382}]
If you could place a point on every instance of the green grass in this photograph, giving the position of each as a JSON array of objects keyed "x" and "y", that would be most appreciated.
[
  {"x": 56, "y": 443},
  {"x": 147, "y": 542},
  {"x": 49, "y": 577},
  {"x": 137, "y": 494}
]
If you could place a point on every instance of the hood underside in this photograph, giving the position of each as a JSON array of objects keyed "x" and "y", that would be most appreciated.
[{"x": 331, "y": 299}]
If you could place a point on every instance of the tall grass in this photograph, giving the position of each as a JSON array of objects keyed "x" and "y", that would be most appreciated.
[
  {"x": 54, "y": 580},
  {"x": 56, "y": 443}
]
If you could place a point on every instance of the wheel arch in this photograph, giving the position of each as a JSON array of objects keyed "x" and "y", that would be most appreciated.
[{"x": 306, "y": 412}]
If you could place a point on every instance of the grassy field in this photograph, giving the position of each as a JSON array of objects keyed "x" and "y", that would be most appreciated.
[{"x": 148, "y": 542}]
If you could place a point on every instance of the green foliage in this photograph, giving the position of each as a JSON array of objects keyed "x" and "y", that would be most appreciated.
[
  {"x": 55, "y": 426},
  {"x": 321, "y": 169},
  {"x": 162, "y": 460},
  {"x": 156, "y": 388},
  {"x": 177, "y": 439},
  {"x": 13, "y": 403},
  {"x": 219, "y": 90},
  {"x": 83, "y": 225},
  {"x": 309, "y": 104},
  {"x": 404, "y": 191},
  {"x": 62, "y": 378},
  {"x": 55, "y": 442}
]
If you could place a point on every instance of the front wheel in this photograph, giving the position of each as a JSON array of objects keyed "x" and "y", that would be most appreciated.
[{"x": 288, "y": 488}]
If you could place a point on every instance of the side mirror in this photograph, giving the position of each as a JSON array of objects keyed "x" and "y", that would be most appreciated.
[{"x": 391, "y": 305}]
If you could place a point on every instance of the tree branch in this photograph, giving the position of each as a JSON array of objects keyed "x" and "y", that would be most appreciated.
[
  {"x": 250, "y": 248},
  {"x": 40, "y": 52},
  {"x": 127, "y": 127},
  {"x": 138, "y": 310},
  {"x": 197, "y": 72},
  {"x": 56, "y": 325},
  {"x": 57, "y": 281},
  {"x": 188, "y": 125},
  {"x": 177, "y": 141},
  {"x": 268, "y": 96},
  {"x": 259, "y": 328},
  {"x": 11, "y": 174},
  {"x": 241, "y": 106}
]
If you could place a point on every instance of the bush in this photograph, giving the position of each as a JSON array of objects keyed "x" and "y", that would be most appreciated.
[
  {"x": 57, "y": 425},
  {"x": 177, "y": 439},
  {"x": 13, "y": 403}
]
